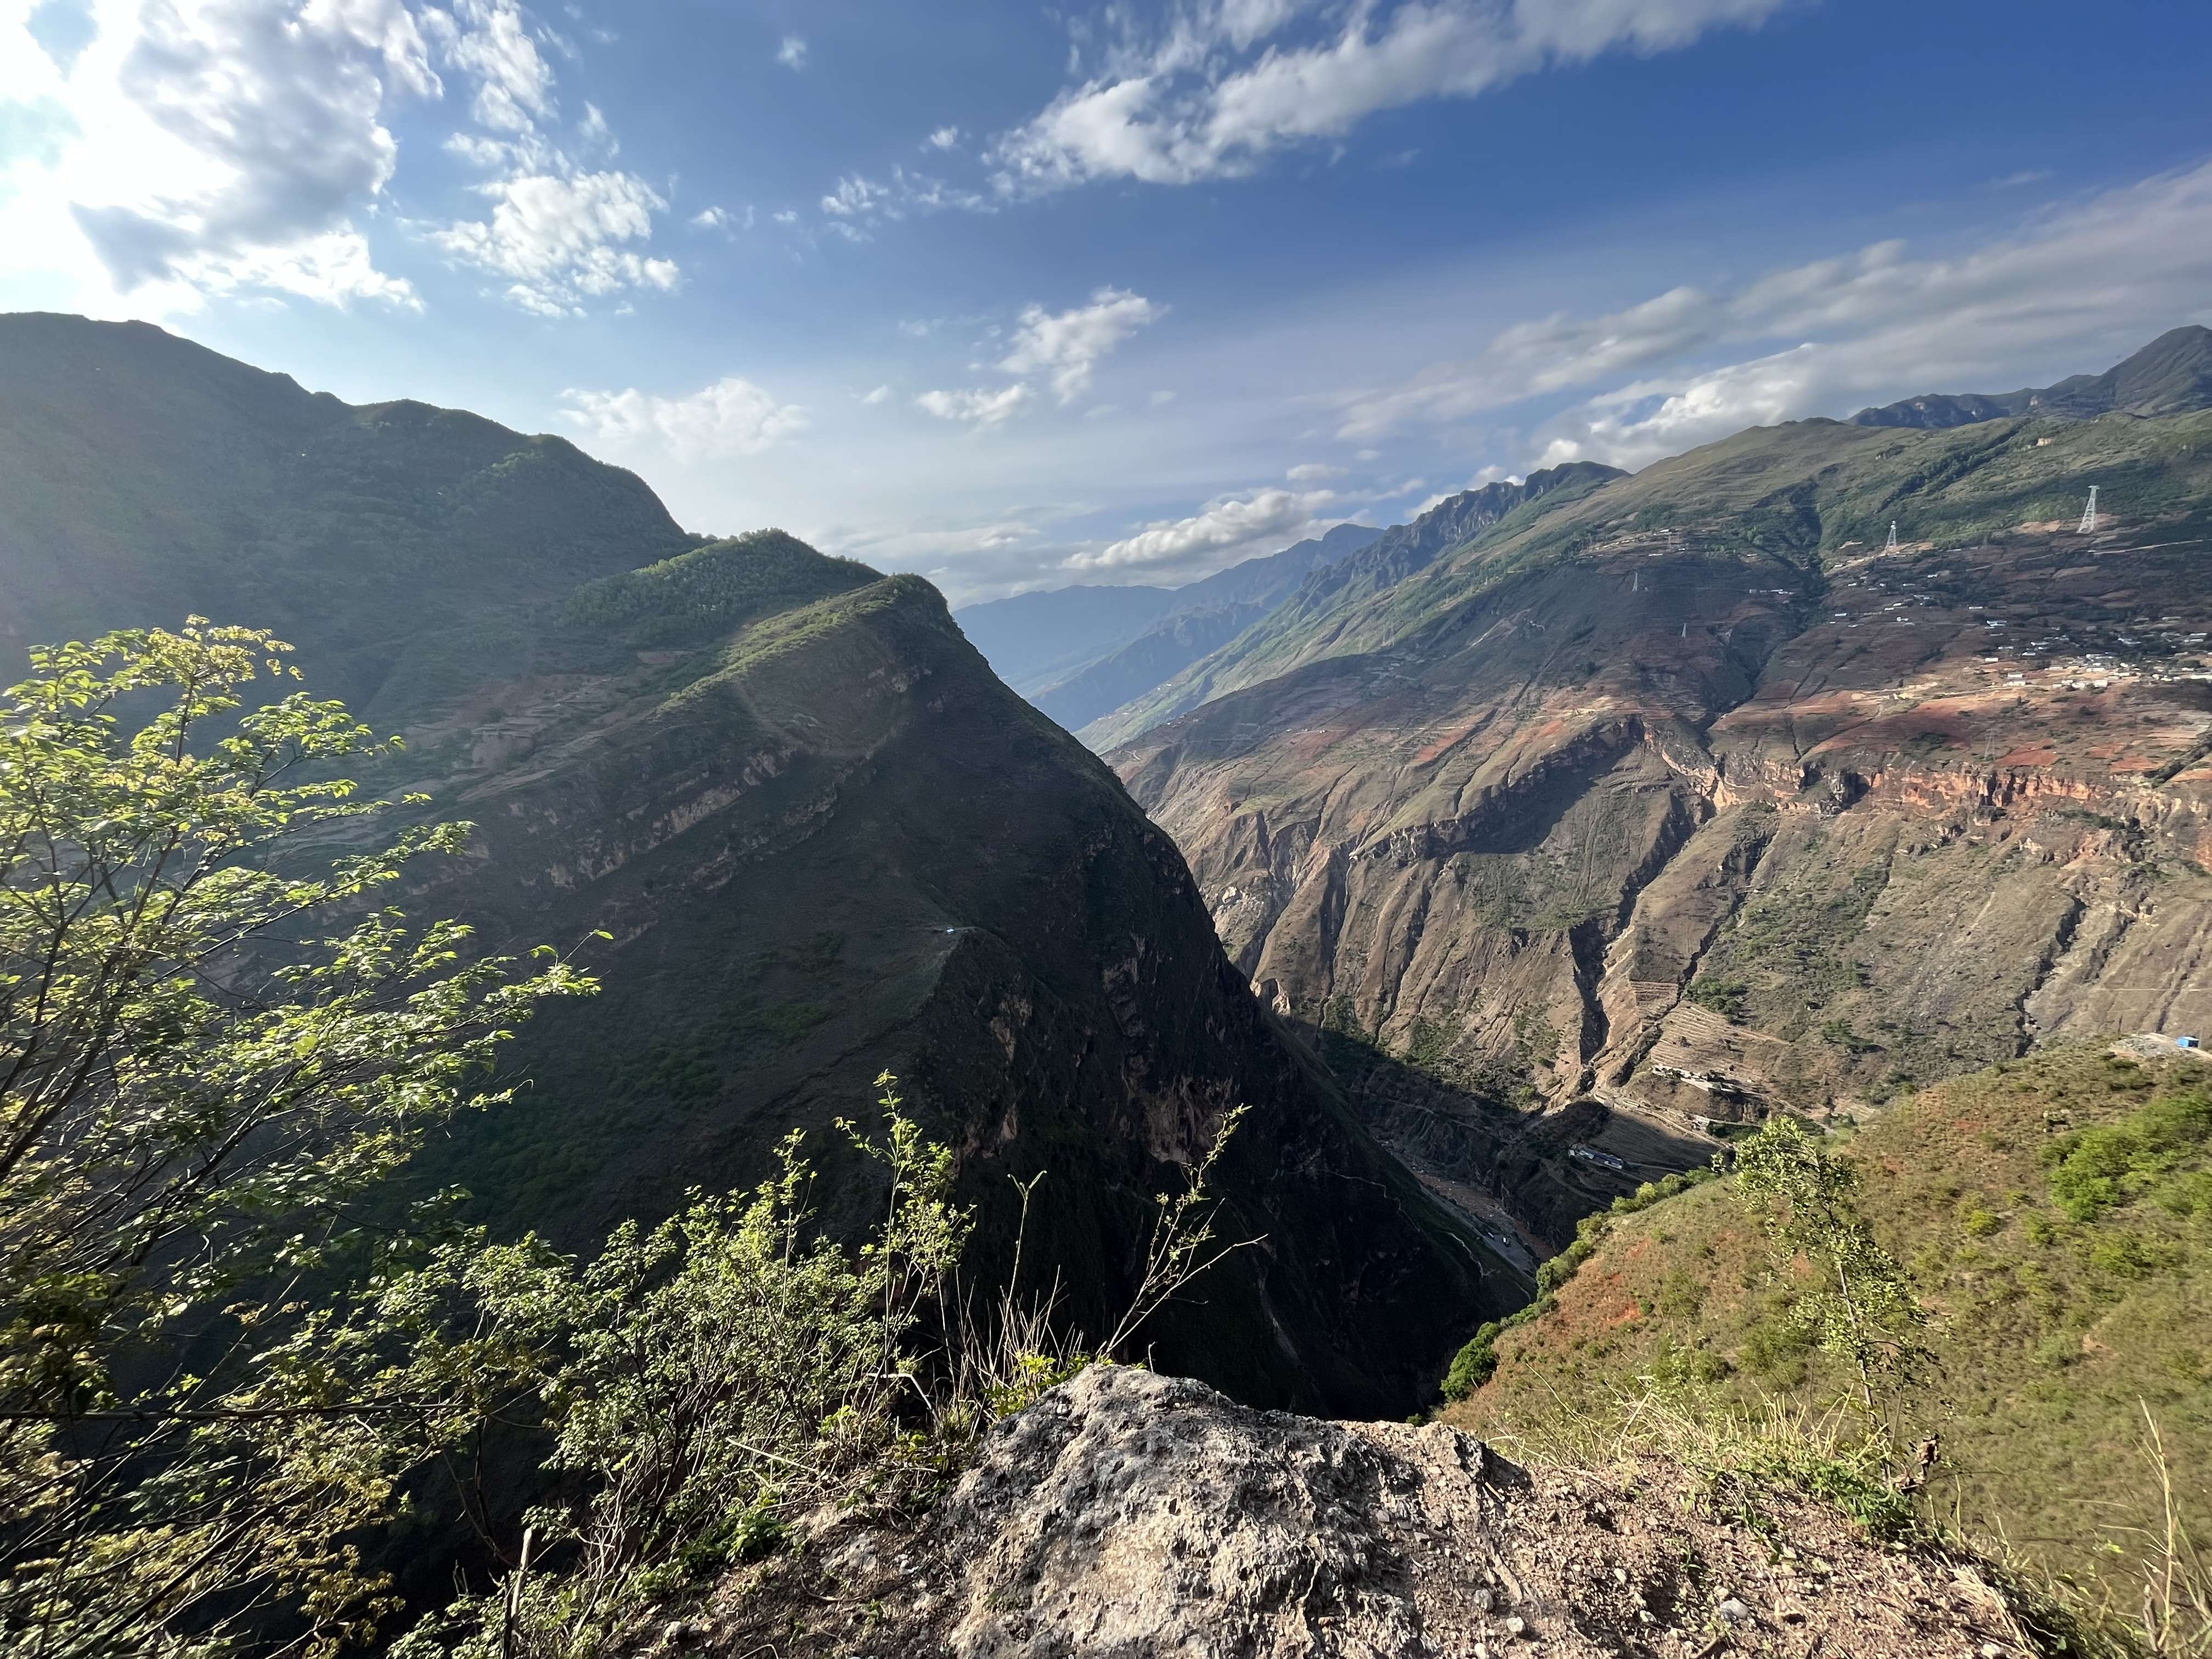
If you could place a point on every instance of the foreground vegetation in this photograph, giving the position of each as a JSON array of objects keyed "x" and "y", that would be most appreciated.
[
  {"x": 232, "y": 1363},
  {"x": 1991, "y": 1303}
]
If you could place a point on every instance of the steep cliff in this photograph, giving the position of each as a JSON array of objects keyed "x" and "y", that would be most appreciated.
[{"x": 826, "y": 842}]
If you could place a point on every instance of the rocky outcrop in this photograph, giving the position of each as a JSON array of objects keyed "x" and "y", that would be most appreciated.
[{"x": 1131, "y": 1516}]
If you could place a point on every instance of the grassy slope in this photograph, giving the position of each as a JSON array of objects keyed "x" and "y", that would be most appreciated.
[{"x": 2054, "y": 1333}]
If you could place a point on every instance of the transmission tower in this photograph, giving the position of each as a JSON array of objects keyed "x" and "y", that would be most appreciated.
[
  {"x": 1892, "y": 548},
  {"x": 2088, "y": 524}
]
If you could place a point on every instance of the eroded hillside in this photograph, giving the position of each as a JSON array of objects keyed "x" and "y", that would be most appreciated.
[{"x": 1665, "y": 801}]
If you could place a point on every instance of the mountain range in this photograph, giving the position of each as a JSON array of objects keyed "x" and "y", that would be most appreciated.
[
  {"x": 1080, "y": 651},
  {"x": 1653, "y": 803},
  {"x": 2172, "y": 375},
  {"x": 1502, "y": 863}
]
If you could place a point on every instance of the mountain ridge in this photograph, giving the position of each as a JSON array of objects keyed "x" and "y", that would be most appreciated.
[{"x": 2172, "y": 375}]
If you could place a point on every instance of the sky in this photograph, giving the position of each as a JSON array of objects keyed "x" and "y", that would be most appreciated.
[{"x": 1017, "y": 295}]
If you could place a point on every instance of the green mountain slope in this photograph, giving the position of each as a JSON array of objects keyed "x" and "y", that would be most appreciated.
[
  {"x": 2056, "y": 1215},
  {"x": 143, "y": 477},
  {"x": 1306, "y": 625}
]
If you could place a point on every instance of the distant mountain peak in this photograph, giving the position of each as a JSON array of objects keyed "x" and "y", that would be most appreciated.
[{"x": 2172, "y": 375}]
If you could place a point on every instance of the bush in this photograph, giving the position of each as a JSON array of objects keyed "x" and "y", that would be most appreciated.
[{"x": 1474, "y": 1364}]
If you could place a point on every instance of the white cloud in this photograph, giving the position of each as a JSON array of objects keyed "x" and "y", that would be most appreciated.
[
  {"x": 1060, "y": 348},
  {"x": 489, "y": 39},
  {"x": 1067, "y": 345},
  {"x": 882, "y": 394},
  {"x": 791, "y": 53},
  {"x": 721, "y": 218},
  {"x": 858, "y": 202},
  {"x": 856, "y": 197},
  {"x": 1199, "y": 102},
  {"x": 2098, "y": 276},
  {"x": 733, "y": 417},
  {"x": 561, "y": 232},
  {"x": 561, "y": 237},
  {"x": 1223, "y": 524},
  {"x": 1161, "y": 398},
  {"x": 977, "y": 408},
  {"x": 1313, "y": 472},
  {"x": 200, "y": 147},
  {"x": 944, "y": 138}
]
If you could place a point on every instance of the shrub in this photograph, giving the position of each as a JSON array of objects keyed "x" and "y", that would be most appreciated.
[{"x": 1474, "y": 1364}]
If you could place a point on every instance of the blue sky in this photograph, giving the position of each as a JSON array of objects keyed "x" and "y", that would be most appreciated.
[{"x": 1017, "y": 295}]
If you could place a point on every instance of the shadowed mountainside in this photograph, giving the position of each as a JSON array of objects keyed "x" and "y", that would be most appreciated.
[
  {"x": 824, "y": 840},
  {"x": 404, "y": 550}
]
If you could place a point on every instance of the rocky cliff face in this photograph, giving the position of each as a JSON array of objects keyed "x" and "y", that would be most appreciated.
[
  {"x": 1134, "y": 1515},
  {"x": 832, "y": 843},
  {"x": 1685, "y": 798}
]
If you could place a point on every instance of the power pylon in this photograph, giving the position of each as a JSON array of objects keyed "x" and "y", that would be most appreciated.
[
  {"x": 1892, "y": 548},
  {"x": 2088, "y": 524}
]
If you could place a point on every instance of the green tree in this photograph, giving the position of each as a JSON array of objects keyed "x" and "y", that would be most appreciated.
[
  {"x": 212, "y": 1046},
  {"x": 1861, "y": 1308}
]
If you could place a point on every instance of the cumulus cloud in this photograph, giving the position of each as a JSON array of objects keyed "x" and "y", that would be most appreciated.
[
  {"x": 561, "y": 232},
  {"x": 1215, "y": 92},
  {"x": 1065, "y": 346},
  {"x": 562, "y": 238},
  {"x": 944, "y": 138},
  {"x": 790, "y": 52},
  {"x": 733, "y": 417},
  {"x": 1059, "y": 348},
  {"x": 881, "y": 394},
  {"x": 977, "y": 408},
  {"x": 1313, "y": 472},
  {"x": 199, "y": 147},
  {"x": 489, "y": 41},
  {"x": 1226, "y": 525},
  {"x": 2096, "y": 277}
]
